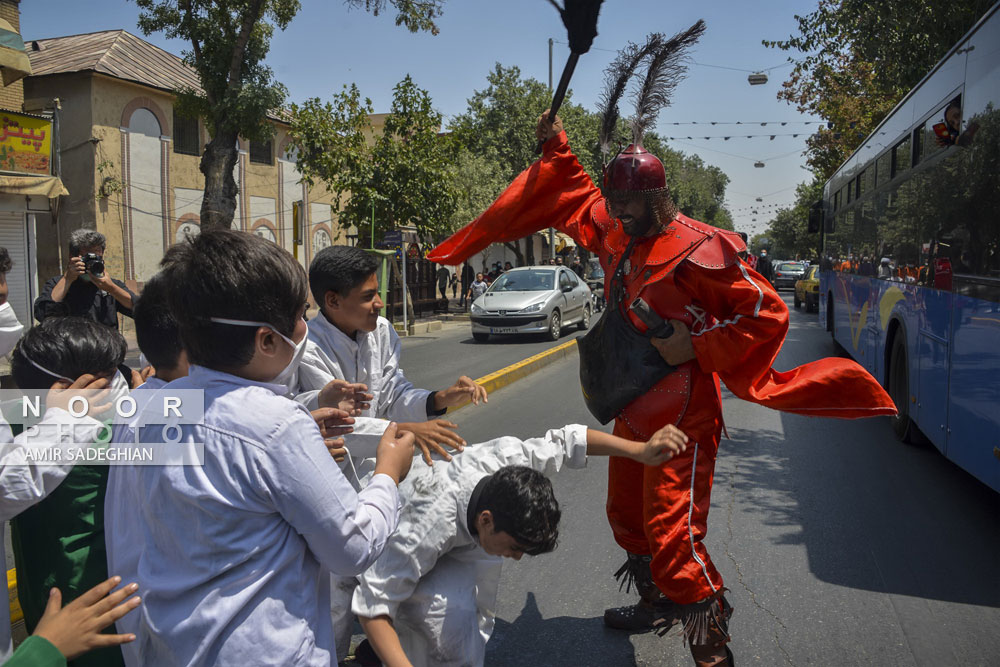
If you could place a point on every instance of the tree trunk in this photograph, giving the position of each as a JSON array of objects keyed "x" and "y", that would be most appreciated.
[
  {"x": 515, "y": 248},
  {"x": 218, "y": 206}
]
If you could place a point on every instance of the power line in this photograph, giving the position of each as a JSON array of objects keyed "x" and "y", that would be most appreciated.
[
  {"x": 746, "y": 136},
  {"x": 695, "y": 62}
]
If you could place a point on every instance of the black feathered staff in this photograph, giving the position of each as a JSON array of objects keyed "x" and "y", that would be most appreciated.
[{"x": 580, "y": 19}]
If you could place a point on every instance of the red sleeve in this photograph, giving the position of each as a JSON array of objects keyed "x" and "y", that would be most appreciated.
[
  {"x": 751, "y": 318},
  {"x": 752, "y": 321},
  {"x": 555, "y": 191}
]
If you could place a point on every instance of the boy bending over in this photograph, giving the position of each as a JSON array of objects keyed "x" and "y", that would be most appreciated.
[{"x": 429, "y": 599}]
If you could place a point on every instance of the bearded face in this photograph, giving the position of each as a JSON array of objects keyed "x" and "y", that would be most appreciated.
[{"x": 640, "y": 213}]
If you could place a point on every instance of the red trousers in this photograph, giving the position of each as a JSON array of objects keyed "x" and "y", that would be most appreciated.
[{"x": 663, "y": 511}]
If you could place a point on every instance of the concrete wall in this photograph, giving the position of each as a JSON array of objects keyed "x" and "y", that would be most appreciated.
[{"x": 80, "y": 157}]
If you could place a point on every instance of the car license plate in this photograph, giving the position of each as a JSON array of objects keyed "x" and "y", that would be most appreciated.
[{"x": 502, "y": 330}]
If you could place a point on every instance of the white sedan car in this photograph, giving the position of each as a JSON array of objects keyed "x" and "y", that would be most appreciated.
[{"x": 532, "y": 299}]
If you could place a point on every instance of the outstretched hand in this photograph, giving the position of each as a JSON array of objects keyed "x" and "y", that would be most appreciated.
[
  {"x": 666, "y": 443},
  {"x": 76, "y": 628},
  {"x": 431, "y": 435},
  {"x": 465, "y": 388},
  {"x": 333, "y": 423},
  {"x": 351, "y": 397}
]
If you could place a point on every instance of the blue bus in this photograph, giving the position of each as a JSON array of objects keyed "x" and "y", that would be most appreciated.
[{"x": 910, "y": 266}]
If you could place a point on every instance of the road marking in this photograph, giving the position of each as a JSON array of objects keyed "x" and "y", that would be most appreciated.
[{"x": 521, "y": 369}]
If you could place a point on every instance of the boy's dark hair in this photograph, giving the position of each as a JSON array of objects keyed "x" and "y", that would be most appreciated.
[
  {"x": 233, "y": 275},
  {"x": 6, "y": 263},
  {"x": 523, "y": 506},
  {"x": 70, "y": 346},
  {"x": 156, "y": 329},
  {"x": 339, "y": 268}
]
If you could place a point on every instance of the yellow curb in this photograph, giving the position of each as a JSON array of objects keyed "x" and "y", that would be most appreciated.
[
  {"x": 15, "y": 605},
  {"x": 525, "y": 367}
]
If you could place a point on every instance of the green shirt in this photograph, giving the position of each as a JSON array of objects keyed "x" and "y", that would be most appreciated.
[
  {"x": 59, "y": 543},
  {"x": 36, "y": 652}
]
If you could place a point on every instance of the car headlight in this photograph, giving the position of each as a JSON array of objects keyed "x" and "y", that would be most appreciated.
[
  {"x": 477, "y": 310},
  {"x": 533, "y": 308}
]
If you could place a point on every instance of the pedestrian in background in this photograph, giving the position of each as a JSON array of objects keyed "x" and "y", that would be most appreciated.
[
  {"x": 476, "y": 289},
  {"x": 468, "y": 275}
]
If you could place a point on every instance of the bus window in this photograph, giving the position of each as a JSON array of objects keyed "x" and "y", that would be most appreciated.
[
  {"x": 901, "y": 157},
  {"x": 863, "y": 183},
  {"x": 850, "y": 192},
  {"x": 929, "y": 141},
  {"x": 883, "y": 169}
]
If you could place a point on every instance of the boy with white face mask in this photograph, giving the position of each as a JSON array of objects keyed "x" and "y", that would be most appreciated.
[
  {"x": 236, "y": 550},
  {"x": 59, "y": 542}
]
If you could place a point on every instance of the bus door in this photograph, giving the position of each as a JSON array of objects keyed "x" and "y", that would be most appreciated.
[{"x": 974, "y": 440}]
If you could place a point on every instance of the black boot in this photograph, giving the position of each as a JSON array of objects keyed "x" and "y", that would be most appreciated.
[
  {"x": 642, "y": 617},
  {"x": 654, "y": 608}
]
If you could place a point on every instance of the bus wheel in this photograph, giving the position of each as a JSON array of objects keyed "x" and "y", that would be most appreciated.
[{"x": 899, "y": 390}]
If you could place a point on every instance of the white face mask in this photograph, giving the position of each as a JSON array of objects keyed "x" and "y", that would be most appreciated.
[
  {"x": 10, "y": 329},
  {"x": 118, "y": 386},
  {"x": 287, "y": 375}
]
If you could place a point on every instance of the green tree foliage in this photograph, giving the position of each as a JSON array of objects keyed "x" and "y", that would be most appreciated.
[
  {"x": 499, "y": 125},
  {"x": 229, "y": 40},
  {"x": 787, "y": 234},
  {"x": 857, "y": 58},
  {"x": 402, "y": 176}
]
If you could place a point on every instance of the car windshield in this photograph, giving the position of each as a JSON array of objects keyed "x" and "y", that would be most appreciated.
[
  {"x": 524, "y": 281},
  {"x": 596, "y": 273},
  {"x": 791, "y": 267}
]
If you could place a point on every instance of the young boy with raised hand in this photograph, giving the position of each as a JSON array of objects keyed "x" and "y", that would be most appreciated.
[
  {"x": 429, "y": 599},
  {"x": 350, "y": 341},
  {"x": 233, "y": 549}
]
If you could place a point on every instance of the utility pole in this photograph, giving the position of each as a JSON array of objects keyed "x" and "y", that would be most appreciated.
[
  {"x": 552, "y": 232},
  {"x": 550, "y": 64}
]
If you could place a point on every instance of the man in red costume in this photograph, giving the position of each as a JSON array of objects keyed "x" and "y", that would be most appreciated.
[
  {"x": 684, "y": 311},
  {"x": 728, "y": 323}
]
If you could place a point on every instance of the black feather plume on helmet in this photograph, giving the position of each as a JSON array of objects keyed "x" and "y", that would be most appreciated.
[
  {"x": 667, "y": 68},
  {"x": 616, "y": 78}
]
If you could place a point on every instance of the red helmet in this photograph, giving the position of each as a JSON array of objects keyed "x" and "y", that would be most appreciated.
[{"x": 634, "y": 171}]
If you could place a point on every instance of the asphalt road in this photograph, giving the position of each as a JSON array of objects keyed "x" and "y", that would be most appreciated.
[
  {"x": 435, "y": 360},
  {"x": 840, "y": 545}
]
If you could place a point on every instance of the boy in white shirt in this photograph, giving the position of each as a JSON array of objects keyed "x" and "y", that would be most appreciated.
[
  {"x": 349, "y": 340},
  {"x": 235, "y": 551},
  {"x": 429, "y": 599}
]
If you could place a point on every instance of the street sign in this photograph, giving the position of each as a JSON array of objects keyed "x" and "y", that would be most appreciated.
[{"x": 393, "y": 237}]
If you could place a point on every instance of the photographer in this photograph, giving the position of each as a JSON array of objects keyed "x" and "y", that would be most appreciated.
[{"x": 85, "y": 289}]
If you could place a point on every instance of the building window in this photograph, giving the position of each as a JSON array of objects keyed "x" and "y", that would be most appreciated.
[
  {"x": 186, "y": 139},
  {"x": 260, "y": 152}
]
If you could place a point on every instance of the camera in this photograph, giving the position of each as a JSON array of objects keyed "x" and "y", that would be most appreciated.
[{"x": 94, "y": 263}]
